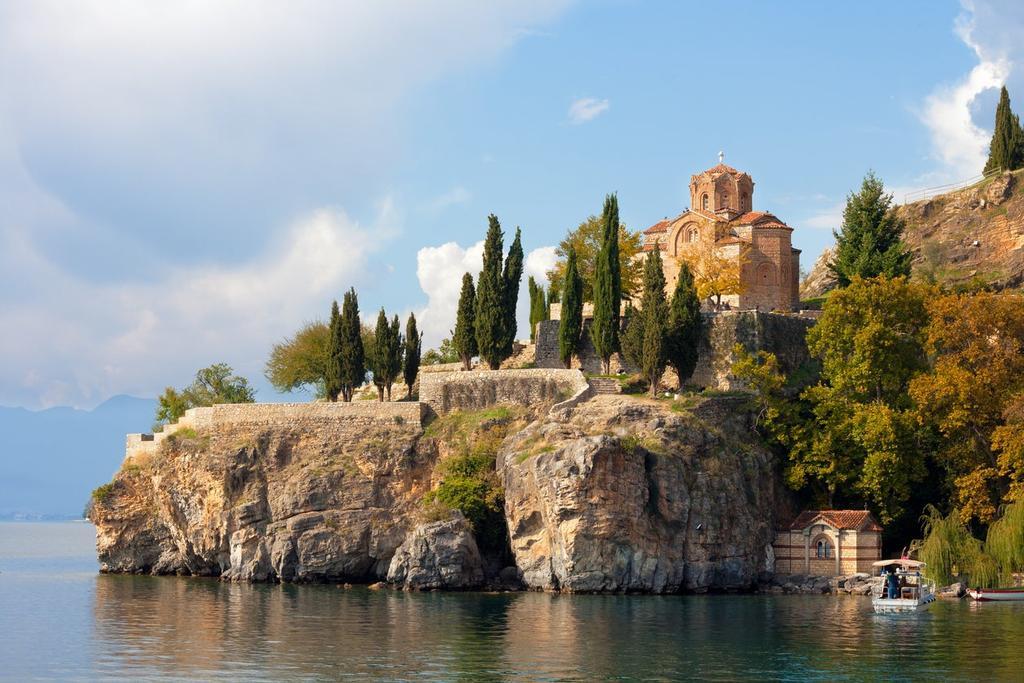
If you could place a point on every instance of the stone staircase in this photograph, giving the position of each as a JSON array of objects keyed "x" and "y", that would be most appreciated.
[{"x": 605, "y": 385}]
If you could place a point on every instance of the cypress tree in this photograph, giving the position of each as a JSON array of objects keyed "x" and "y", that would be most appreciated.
[
  {"x": 684, "y": 326},
  {"x": 394, "y": 353},
  {"x": 490, "y": 299},
  {"x": 538, "y": 306},
  {"x": 653, "y": 317},
  {"x": 604, "y": 329},
  {"x": 1006, "y": 151},
  {"x": 413, "y": 348},
  {"x": 869, "y": 243},
  {"x": 511, "y": 278},
  {"x": 570, "y": 327},
  {"x": 464, "y": 336},
  {"x": 353, "y": 359},
  {"x": 332, "y": 378},
  {"x": 381, "y": 356}
]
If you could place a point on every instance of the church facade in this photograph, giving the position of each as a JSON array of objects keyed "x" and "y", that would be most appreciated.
[{"x": 721, "y": 219}]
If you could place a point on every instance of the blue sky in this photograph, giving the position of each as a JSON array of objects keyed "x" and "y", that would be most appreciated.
[{"x": 185, "y": 184}]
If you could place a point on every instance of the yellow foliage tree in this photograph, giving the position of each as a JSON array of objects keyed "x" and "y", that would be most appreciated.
[{"x": 714, "y": 274}]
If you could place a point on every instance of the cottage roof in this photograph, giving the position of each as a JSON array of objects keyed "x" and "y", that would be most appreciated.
[{"x": 861, "y": 520}]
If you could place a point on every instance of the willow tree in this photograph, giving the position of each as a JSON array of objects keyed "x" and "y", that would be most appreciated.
[{"x": 604, "y": 328}]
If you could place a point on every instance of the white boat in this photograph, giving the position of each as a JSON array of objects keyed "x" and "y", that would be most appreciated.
[
  {"x": 996, "y": 594},
  {"x": 916, "y": 592}
]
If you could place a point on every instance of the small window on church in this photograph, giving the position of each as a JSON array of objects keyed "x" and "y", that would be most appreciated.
[
  {"x": 704, "y": 201},
  {"x": 692, "y": 235},
  {"x": 824, "y": 550},
  {"x": 744, "y": 206}
]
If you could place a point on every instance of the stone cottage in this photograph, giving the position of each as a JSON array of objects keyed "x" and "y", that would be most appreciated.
[
  {"x": 828, "y": 543},
  {"x": 721, "y": 218}
]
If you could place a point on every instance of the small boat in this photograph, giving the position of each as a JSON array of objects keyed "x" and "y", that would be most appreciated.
[
  {"x": 915, "y": 591},
  {"x": 996, "y": 594}
]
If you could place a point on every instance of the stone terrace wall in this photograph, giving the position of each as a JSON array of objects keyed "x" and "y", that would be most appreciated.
[
  {"x": 360, "y": 414},
  {"x": 783, "y": 335},
  {"x": 478, "y": 389}
]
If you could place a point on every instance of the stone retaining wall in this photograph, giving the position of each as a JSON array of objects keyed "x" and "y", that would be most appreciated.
[
  {"x": 478, "y": 389},
  {"x": 359, "y": 414},
  {"x": 783, "y": 335}
]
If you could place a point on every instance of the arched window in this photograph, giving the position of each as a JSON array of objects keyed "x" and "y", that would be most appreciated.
[
  {"x": 766, "y": 274},
  {"x": 823, "y": 549},
  {"x": 692, "y": 235},
  {"x": 704, "y": 201}
]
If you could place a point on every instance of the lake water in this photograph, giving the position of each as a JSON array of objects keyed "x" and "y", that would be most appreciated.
[{"x": 61, "y": 620}]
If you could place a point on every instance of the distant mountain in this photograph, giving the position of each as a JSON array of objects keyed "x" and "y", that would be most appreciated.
[
  {"x": 973, "y": 235},
  {"x": 51, "y": 460}
]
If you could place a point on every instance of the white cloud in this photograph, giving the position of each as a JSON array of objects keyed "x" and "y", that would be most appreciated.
[
  {"x": 91, "y": 340},
  {"x": 992, "y": 31},
  {"x": 587, "y": 109},
  {"x": 456, "y": 195},
  {"x": 440, "y": 270}
]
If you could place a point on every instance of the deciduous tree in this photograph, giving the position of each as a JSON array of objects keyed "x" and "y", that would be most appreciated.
[
  {"x": 585, "y": 240},
  {"x": 212, "y": 385},
  {"x": 714, "y": 274},
  {"x": 299, "y": 362}
]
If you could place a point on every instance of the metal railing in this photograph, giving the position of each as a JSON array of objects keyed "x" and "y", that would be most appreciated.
[{"x": 928, "y": 192}]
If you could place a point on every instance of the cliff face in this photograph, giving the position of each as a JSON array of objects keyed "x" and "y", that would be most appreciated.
[
  {"x": 618, "y": 495},
  {"x": 300, "y": 498},
  {"x": 612, "y": 494},
  {"x": 971, "y": 235}
]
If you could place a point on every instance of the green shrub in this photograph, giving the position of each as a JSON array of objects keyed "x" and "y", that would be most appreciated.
[{"x": 102, "y": 494}]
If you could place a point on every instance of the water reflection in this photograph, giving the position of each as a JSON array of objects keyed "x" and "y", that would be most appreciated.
[{"x": 148, "y": 627}]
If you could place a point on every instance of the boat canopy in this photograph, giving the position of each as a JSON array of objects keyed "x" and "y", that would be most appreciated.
[{"x": 906, "y": 564}]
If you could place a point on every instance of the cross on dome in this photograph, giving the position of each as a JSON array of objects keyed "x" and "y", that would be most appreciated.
[{"x": 721, "y": 157}]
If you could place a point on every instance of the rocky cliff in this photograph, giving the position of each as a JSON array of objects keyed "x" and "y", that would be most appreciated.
[
  {"x": 612, "y": 494},
  {"x": 972, "y": 235}
]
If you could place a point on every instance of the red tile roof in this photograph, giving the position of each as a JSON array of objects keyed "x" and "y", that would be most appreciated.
[
  {"x": 861, "y": 520},
  {"x": 660, "y": 226},
  {"x": 722, "y": 168},
  {"x": 759, "y": 219}
]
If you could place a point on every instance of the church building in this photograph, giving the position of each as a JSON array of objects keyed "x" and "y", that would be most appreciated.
[{"x": 721, "y": 218}]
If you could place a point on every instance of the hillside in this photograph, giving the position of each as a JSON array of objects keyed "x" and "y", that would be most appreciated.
[
  {"x": 51, "y": 459},
  {"x": 971, "y": 235}
]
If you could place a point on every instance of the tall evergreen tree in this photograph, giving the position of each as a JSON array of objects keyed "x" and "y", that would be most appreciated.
[
  {"x": 570, "y": 328},
  {"x": 332, "y": 378},
  {"x": 464, "y": 336},
  {"x": 684, "y": 327},
  {"x": 387, "y": 354},
  {"x": 538, "y": 306},
  {"x": 604, "y": 329},
  {"x": 395, "y": 348},
  {"x": 654, "y": 318},
  {"x": 490, "y": 299},
  {"x": 1006, "y": 151},
  {"x": 511, "y": 279},
  {"x": 869, "y": 243},
  {"x": 413, "y": 348},
  {"x": 353, "y": 359}
]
